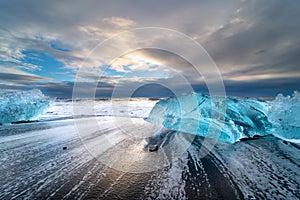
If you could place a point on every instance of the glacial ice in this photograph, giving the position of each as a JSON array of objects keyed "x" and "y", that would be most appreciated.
[
  {"x": 17, "y": 105},
  {"x": 284, "y": 113},
  {"x": 231, "y": 118}
]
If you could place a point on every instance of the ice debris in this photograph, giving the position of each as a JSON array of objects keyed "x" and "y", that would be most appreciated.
[
  {"x": 230, "y": 119},
  {"x": 17, "y": 105}
]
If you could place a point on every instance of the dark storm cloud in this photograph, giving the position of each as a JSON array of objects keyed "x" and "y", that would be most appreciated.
[
  {"x": 165, "y": 87},
  {"x": 262, "y": 88},
  {"x": 65, "y": 89}
]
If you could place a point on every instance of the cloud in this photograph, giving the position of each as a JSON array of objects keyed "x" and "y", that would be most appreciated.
[
  {"x": 18, "y": 78},
  {"x": 107, "y": 27},
  {"x": 250, "y": 41},
  {"x": 13, "y": 76},
  {"x": 119, "y": 22},
  {"x": 260, "y": 39}
]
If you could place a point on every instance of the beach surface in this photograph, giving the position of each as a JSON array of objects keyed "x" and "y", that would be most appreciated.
[{"x": 75, "y": 158}]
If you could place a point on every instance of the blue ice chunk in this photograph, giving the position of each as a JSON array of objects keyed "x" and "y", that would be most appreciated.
[
  {"x": 284, "y": 114},
  {"x": 17, "y": 105},
  {"x": 240, "y": 117}
]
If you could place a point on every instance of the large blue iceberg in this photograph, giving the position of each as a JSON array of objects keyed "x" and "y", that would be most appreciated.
[
  {"x": 230, "y": 119},
  {"x": 17, "y": 105}
]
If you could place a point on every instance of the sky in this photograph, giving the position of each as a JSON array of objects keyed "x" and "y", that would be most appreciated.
[{"x": 255, "y": 45}]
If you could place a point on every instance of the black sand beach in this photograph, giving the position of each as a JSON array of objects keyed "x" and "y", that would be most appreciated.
[{"x": 34, "y": 165}]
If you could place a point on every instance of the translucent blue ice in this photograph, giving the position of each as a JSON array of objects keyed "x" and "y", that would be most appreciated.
[
  {"x": 229, "y": 119},
  {"x": 284, "y": 113},
  {"x": 16, "y": 105}
]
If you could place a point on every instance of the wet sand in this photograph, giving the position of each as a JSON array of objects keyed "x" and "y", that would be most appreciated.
[{"x": 34, "y": 165}]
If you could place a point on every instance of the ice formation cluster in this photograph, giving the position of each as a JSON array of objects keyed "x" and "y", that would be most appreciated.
[
  {"x": 17, "y": 105},
  {"x": 230, "y": 119}
]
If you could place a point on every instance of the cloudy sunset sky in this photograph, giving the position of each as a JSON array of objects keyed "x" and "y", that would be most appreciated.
[{"x": 255, "y": 44}]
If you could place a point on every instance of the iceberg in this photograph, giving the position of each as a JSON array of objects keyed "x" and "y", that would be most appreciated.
[
  {"x": 231, "y": 118},
  {"x": 17, "y": 105}
]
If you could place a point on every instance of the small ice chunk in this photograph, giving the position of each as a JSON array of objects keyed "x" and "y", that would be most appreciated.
[
  {"x": 17, "y": 105},
  {"x": 284, "y": 114}
]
